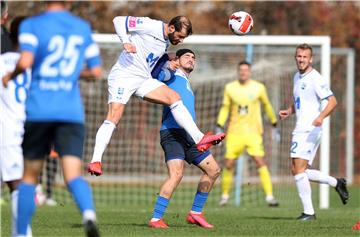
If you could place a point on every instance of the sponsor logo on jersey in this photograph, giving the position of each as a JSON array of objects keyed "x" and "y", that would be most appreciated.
[{"x": 132, "y": 21}]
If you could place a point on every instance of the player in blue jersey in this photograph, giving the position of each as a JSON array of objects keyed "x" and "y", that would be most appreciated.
[
  {"x": 178, "y": 145},
  {"x": 55, "y": 44}
]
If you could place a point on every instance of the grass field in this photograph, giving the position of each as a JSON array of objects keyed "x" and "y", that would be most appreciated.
[{"x": 131, "y": 220}]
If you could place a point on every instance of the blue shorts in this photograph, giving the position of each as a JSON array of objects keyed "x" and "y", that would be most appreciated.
[
  {"x": 177, "y": 144},
  {"x": 66, "y": 138}
]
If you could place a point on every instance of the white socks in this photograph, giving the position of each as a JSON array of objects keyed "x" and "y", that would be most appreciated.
[
  {"x": 317, "y": 176},
  {"x": 14, "y": 204},
  {"x": 89, "y": 215},
  {"x": 304, "y": 190},
  {"x": 184, "y": 119},
  {"x": 103, "y": 137}
]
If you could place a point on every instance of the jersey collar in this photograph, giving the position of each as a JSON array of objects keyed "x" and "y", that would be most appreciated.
[
  {"x": 306, "y": 73},
  {"x": 180, "y": 73}
]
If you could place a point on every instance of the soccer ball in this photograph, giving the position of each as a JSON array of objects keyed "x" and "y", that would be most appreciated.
[{"x": 240, "y": 22}]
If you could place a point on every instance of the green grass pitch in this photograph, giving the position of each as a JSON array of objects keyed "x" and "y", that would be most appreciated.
[{"x": 131, "y": 220}]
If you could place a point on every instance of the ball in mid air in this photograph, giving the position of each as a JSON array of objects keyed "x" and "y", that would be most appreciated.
[{"x": 241, "y": 22}]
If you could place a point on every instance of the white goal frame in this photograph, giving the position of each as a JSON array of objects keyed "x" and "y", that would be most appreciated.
[{"x": 322, "y": 41}]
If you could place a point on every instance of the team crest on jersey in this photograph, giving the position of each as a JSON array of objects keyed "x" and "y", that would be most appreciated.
[{"x": 303, "y": 86}]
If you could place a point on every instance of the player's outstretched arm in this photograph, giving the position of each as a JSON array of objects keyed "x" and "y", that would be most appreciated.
[{"x": 332, "y": 102}]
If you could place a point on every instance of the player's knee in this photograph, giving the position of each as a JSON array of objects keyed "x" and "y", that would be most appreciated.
[
  {"x": 229, "y": 164},
  {"x": 115, "y": 114},
  {"x": 216, "y": 173},
  {"x": 173, "y": 97},
  {"x": 176, "y": 176},
  {"x": 297, "y": 170}
]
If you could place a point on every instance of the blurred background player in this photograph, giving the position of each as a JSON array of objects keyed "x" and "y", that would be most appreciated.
[
  {"x": 51, "y": 165},
  {"x": 6, "y": 44},
  {"x": 145, "y": 40},
  {"x": 12, "y": 104},
  {"x": 310, "y": 88},
  {"x": 55, "y": 45},
  {"x": 243, "y": 99},
  {"x": 178, "y": 146}
]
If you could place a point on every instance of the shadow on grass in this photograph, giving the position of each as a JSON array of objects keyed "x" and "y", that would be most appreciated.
[{"x": 273, "y": 218}]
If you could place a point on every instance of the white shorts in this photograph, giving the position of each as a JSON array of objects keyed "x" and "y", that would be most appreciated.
[
  {"x": 123, "y": 84},
  {"x": 11, "y": 163},
  {"x": 305, "y": 144}
]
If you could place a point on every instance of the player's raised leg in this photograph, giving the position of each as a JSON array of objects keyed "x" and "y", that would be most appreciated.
[
  {"x": 211, "y": 172},
  {"x": 339, "y": 184},
  {"x": 166, "y": 96},
  {"x": 304, "y": 189},
  {"x": 175, "y": 169},
  {"x": 103, "y": 136}
]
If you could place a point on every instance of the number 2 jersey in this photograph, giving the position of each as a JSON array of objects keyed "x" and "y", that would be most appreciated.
[
  {"x": 12, "y": 101},
  {"x": 310, "y": 89},
  {"x": 60, "y": 43}
]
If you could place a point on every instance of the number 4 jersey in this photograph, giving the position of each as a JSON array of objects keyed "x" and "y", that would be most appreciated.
[
  {"x": 12, "y": 101},
  {"x": 60, "y": 44},
  {"x": 309, "y": 89}
]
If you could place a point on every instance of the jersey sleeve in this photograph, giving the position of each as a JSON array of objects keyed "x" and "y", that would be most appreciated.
[
  {"x": 139, "y": 24},
  {"x": 267, "y": 105},
  {"x": 160, "y": 71},
  {"x": 322, "y": 88},
  {"x": 92, "y": 52},
  {"x": 124, "y": 25},
  {"x": 225, "y": 109},
  {"x": 28, "y": 39}
]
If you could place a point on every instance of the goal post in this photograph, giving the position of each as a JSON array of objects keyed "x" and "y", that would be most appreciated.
[{"x": 323, "y": 42}]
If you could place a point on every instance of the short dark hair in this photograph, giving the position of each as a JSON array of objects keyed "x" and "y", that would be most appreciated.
[
  {"x": 180, "y": 22},
  {"x": 304, "y": 47},
  {"x": 14, "y": 29},
  {"x": 244, "y": 63}
]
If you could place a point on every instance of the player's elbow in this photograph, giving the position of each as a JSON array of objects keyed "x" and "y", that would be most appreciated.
[
  {"x": 119, "y": 19},
  {"x": 333, "y": 101},
  {"x": 96, "y": 72},
  {"x": 26, "y": 60}
]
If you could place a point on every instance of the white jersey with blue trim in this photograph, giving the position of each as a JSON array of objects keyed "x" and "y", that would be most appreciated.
[
  {"x": 12, "y": 101},
  {"x": 61, "y": 43},
  {"x": 148, "y": 36},
  {"x": 310, "y": 89}
]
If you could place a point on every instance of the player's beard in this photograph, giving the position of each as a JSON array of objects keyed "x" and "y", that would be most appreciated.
[{"x": 171, "y": 38}]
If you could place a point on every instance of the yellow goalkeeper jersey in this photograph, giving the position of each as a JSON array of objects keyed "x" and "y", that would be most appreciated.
[{"x": 243, "y": 102}]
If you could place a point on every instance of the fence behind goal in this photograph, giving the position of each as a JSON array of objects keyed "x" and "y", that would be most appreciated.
[{"x": 133, "y": 164}]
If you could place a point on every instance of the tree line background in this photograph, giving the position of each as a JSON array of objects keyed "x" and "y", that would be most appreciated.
[{"x": 338, "y": 19}]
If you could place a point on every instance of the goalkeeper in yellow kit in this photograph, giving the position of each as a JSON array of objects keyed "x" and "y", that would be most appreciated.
[{"x": 243, "y": 99}]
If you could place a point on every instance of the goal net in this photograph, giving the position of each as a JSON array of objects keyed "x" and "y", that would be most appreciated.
[{"x": 133, "y": 164}]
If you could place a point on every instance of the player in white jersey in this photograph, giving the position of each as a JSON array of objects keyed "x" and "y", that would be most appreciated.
[
  {"x": 145, "y": 40},
  {"x": 310, "y": 88},
  {"x": 12, "y": 110}
]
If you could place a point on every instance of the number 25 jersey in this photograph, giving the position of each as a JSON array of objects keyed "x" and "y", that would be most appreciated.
[{"x": 60, "y": 43}]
